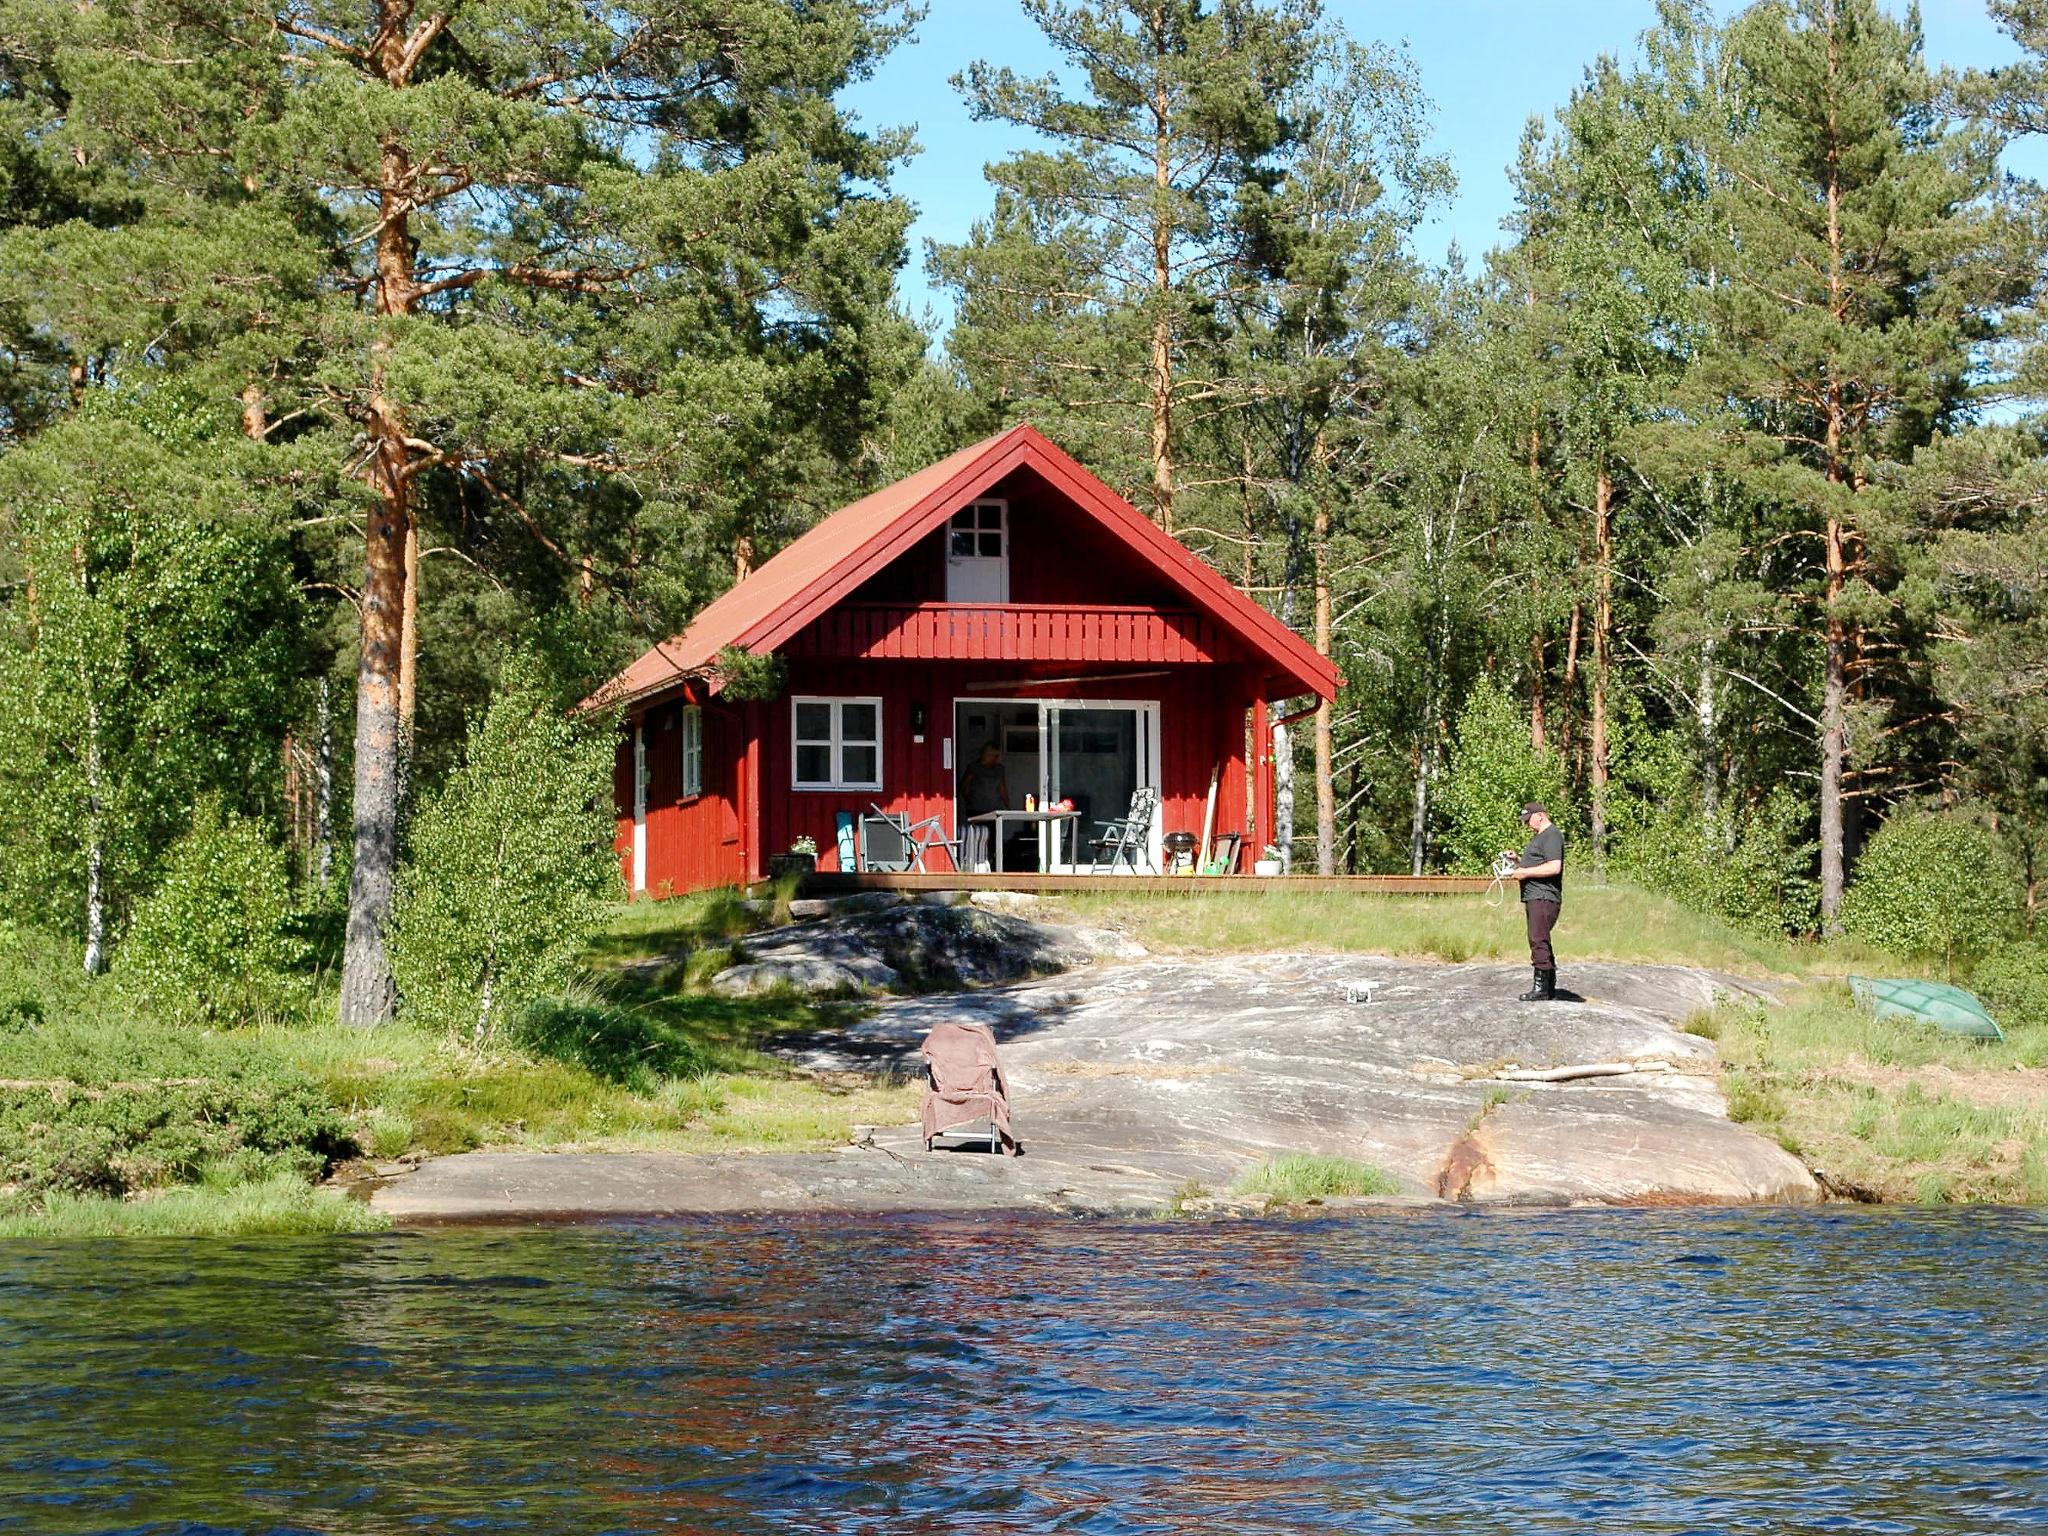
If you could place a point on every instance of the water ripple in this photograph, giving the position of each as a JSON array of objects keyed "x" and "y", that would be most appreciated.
[{"x": 1628, "y": 1372}]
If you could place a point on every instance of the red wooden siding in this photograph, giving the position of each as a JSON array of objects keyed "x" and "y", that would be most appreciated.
[
  {"x": 692, "y": 842},
  {"x": 1201, "y": 725},
  {"x": 1012, "y": 632},
  {"x": 1058, "y": 554}
]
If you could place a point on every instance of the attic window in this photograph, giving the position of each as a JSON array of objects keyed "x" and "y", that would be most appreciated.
[
  {"x": 978, "y": 531},
  {"x": 978, "y": 553}
]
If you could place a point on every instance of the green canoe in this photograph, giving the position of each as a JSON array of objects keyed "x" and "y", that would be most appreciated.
[{"x": 1927, "y": 1002}]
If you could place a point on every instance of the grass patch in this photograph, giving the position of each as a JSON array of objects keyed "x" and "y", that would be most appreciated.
[
  {"x": 277, "y": 1206},
  {"x": 1906, "y": 1113},
  {"x": 1618, "y": 922},
  {"x": 1298, "y": 1178}
]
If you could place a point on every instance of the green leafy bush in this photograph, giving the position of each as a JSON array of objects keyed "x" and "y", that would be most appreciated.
[
  {"x": 1493, "y": 773},
  {"x": 1933, "y": 886},
  {"x": 213, "y": 941},
  {"x": 1756, "y": 875},
  {"x": 509, "y": 866},
  {"x": 2013, "y": 980},
  {"x": 94, "y": 1109}
]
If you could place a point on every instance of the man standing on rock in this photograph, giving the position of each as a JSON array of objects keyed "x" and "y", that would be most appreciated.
[{"x": 1541, "y": 877}]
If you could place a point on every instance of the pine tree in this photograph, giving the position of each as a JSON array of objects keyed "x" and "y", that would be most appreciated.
[
  {"x": 1857, "y": 272},
  {"x": 548, "y": 246},
  {"x": 1104, "y": 256},
  {"x": 1605, "y": 220},
  {"x": 1303, "y": 352}
]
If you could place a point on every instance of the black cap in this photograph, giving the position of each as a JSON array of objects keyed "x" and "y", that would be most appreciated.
[{"x": 1532, "y": 808}]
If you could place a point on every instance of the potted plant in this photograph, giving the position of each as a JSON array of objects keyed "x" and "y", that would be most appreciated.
[
  {"x": 802, "y": 859},
  {"x": 1269, "y": 862}
]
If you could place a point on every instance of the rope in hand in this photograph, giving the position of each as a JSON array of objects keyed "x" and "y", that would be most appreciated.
[{"x": 1504, "y": 864}]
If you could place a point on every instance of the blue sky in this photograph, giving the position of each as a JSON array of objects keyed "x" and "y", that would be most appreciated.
[{"x": 1486, "y": 64}]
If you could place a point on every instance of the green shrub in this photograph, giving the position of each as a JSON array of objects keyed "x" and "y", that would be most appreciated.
[
  {"x": 2013, "y": 980},
  {"x": 112, "y": 1111},
  {"x": 1759, "y": 879},
  {"x": 1494, "y": 772},
  {"x": 1933, "y": 886},
  {"x": 213, "y": 943},
  {"x": 509, "y": 866}
]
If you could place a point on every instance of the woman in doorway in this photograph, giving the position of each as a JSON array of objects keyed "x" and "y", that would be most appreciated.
[{"x": 984, "y": 787}]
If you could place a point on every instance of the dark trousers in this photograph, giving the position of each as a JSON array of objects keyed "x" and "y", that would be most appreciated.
[{"x": 1542, "y": 916}]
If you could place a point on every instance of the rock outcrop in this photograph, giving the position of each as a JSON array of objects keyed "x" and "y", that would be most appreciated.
[
  {"x": 1138, "y": 1085},
  {"x": 884, "y": 943},
  {"x": 1274, "y": 1054}
]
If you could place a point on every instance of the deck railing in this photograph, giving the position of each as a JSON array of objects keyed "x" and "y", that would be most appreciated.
[{"x": 1013, "y": 632}]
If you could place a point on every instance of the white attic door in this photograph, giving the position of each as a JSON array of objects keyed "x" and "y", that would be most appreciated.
[{"x": 978, "y": 553}]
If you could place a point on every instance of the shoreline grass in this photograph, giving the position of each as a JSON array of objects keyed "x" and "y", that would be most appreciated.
[
  {"x": 1303, "y": 1178},
  {"x": 1897, "y": 1112},
  {"x": 277, "y": 1207}
]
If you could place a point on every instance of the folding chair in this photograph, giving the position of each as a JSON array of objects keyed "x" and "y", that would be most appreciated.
[
  {"x": 1129, "y": 838},
  {"x": 967, "y": 1096},
  {"x": 895, "y": 844}
]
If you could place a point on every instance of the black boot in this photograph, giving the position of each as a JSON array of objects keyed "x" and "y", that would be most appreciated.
[
  {"x": 1547, "y": 980},
  {"x": 1538, "y": 992}
]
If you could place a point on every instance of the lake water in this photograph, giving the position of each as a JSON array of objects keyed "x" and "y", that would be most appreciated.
[{"x": 1608, "y": 1371}]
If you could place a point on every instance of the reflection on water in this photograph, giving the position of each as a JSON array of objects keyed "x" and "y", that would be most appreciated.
[{"x": 1591, "y": 1372}]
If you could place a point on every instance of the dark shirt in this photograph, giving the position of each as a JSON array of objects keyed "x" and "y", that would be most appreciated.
[
  {"x": 984, "y": 789},
  {"x": 1543, "y": 847}
]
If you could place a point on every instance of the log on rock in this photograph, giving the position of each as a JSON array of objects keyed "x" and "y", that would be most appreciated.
[{"x": 1587, "y": 1069}]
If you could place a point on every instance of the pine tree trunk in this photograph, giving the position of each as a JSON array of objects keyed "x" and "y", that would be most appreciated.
[
  {"x": 1834, "y": 688},
  {"x": 409, "y": 639},
  {"x": 1603, "y": 620},
  {"x": 1162, "y": 283},
  {"x": 1326, "y": 709},
  {"x": 366, "y": 993},
  {"x": 367, "y": 996},
  {"x": 1537, "y": 664},
  {"x": 1834, "y": 734},
  {"x": 1568, "y": 729}
]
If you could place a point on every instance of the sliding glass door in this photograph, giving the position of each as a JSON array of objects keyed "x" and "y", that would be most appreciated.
[{"x": 1098, "y": 753}]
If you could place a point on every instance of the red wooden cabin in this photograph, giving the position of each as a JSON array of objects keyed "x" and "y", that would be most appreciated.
[{"x": 1004, "y": 594}]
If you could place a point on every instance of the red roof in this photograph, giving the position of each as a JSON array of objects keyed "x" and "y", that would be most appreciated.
[{"x": 828, "y": 563}]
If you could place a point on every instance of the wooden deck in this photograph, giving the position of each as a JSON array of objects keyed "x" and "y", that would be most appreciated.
[{"x": 838, "y": 883}]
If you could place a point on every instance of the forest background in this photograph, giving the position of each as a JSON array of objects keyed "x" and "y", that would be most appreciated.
[{"x": 364, "y": 363}]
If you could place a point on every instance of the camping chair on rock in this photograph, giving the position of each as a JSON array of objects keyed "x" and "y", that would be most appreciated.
[
  {"x": 966, "y": 1097},
  {"x": 897, "y": 845},
  {"x": 1128, "y": 839}
]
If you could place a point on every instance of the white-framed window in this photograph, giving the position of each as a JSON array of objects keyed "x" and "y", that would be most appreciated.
[
  {"x": 837, "y": 743},
  {"x": 693, "y": 750}
]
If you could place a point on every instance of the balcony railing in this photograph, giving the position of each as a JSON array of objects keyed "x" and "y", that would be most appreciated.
[{"x": 1013, "y": 632}]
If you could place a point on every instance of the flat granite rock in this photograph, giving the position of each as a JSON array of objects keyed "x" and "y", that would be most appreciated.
[
  {"x": 1132, "y": 1083},
  {"x": 937, "y": 938}
]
